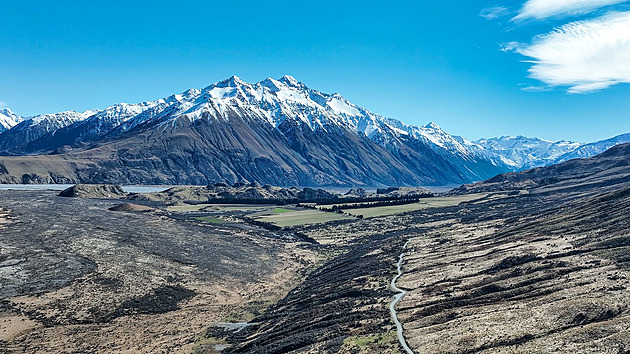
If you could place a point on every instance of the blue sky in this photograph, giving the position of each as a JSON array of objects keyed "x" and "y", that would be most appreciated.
[{"x": 555, "y": 69}]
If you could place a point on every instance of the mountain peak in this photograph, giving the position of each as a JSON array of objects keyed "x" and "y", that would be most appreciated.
[
  {"x": 272, "y": 84},
  {"x": 233, "y": 81},
  {"x": 8, "y": 119},
  {"x": 188, "y": 93},
  {"x": 433, "y": 125},
  {"x": 289, "y": 80},
  {"x": 235, "y": 78}
]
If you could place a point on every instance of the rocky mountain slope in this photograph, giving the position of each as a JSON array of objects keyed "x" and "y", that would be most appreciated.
[
  {"x": 544, "y": 272},
  {"x": 276, "y": 132},
  {"x": 538, "y": 265}
]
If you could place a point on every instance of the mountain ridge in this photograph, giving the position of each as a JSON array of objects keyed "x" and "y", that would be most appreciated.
[{"x": 301, "y": 130}]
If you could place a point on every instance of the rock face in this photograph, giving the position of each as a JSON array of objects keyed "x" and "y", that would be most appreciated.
[{"x": 93, "y": 191}]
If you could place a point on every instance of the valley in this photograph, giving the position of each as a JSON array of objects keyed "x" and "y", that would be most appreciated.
[
  {"x": 451, "y": 177},
  {"x": 519, "y": 263}
]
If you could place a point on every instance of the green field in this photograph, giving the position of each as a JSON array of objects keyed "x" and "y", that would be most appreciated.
[
  {"x": 301, "y": 217},
  {"x": 286, "y": 216},
  {"x": 210, "y": 220},
  {"x": 426, "y": 203},
  {"x": 241, "y": 207},
  {"x": 282, "y": 210}
]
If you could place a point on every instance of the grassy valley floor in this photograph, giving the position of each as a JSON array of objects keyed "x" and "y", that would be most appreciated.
[{"x": 500, "y": 271}]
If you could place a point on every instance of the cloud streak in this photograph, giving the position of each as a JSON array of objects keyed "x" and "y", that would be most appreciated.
[
  {"x": 543, "y": 9},
  {"x": 585, "y": 56},
  {"x": 492, "y": 13}
]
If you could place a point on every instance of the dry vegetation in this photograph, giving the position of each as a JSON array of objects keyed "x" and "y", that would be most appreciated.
[
  {"x": 79, "y": 277},
  {"x": 425, "y": 203},
  {"x": 530, "y": 265},
  {"x": 556, "y": 282}
]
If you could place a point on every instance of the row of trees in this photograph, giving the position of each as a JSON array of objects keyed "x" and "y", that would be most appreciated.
[{"x": 402, "y": 201}]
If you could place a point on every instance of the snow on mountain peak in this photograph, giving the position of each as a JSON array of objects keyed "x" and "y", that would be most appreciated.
[
  {"x": 233, "y": 81},
  {"x": 434, "y": 126},
  {"x": 63, "y": 118},
  {"x": 341, "y": 106},
  {"x": 289, "y": 81},
  {"x": 521, "y": 152},
  {"x": 191, "y": 93},
  {"x": 286, "y": 98},
  {"x": 273, "y": 85},
  {"x": 8, "y": 119}
]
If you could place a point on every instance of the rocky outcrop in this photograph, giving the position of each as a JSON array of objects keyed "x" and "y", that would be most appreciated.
[
  {"x": 130, "y": 207},
  {"x": 93, "y": 191}
]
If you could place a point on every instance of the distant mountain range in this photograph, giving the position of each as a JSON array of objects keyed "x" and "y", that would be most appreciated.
[
  {"x": 521, "y": 153},
  {"x": 608, "y": 171},
  {"x": 272, "y": 132}
]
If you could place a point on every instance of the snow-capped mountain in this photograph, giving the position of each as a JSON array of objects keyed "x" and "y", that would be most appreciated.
[
  {"x": 32, "y": 128},
  {"x": 272, "y": 101},
  {"x": 520, "y": 152},
  {"x": 592, "y": 149},
  {"x": 8, "y": 119},
  {"x": 274, "y": 131}
]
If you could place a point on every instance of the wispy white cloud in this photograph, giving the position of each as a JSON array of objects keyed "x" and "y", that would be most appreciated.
[
  {"x": 3, "y": 105},
  {"x": 537, "y": 88},
  {"x": 585, "y": 56},
  {"x": 542, "y": 9},
  {"x": 511, "y": 46},
  {"x": 492, "y": 13}
]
